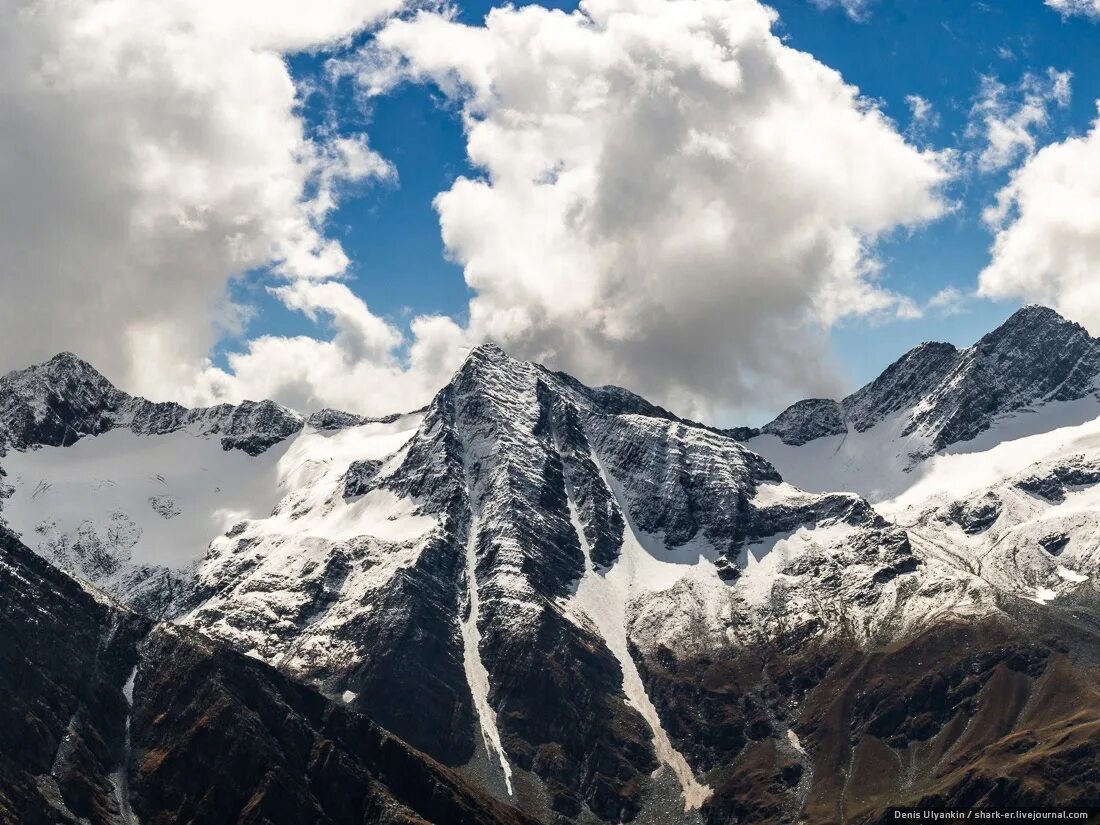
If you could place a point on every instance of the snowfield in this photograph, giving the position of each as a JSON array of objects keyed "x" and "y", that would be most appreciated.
[{"x": 148, "y": 500}]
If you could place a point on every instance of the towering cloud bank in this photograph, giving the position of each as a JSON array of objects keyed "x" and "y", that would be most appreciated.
[
  {"x": 670, "y": 197},
  {"x": 666, "y": 195}
]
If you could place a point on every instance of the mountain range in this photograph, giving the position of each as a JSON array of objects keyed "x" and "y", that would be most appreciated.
[{"x": 539, "y": 601}]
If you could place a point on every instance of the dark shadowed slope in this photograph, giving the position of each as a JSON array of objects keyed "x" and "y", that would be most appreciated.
[{"x": 106, "y": 718}]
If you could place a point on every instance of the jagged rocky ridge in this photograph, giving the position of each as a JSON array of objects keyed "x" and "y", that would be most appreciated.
[
  {"x": 61, "y": 401},
  {"x": 531, "y": 486},
  {"x": 948, "y": 395},
  {"x": 600, "y": 612}
]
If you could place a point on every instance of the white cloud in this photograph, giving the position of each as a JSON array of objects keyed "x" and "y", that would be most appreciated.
[
  {"x": 858, "y": 10},
  {"x": 949, "y": 301},
  {"x": 1047, "y": 223},
  {"x": 356, "y": 369},
  {"x": 149, "y": 152},
  {"x": 1067, "y": 8},
  {"x": 1005, "y": 119},
  {"x": 923, "y": 119},
  {"x": 672, "y": 198},
  {"x": 922, "y": 114}
]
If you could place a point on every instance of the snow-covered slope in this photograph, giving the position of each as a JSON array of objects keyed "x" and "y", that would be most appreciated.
[
  {"x": 132, "y": 513},
  {"x": 310, "y": 564},
  {"x": 125, "y": 492}
]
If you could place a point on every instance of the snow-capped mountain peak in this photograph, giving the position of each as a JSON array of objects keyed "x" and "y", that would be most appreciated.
[{"x": 555, "y": 587}]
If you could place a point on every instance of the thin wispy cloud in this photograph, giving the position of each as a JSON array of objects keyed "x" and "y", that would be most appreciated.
[
  {"x": 1006, "y": 120},
  {"x": 858, "y": 10}
]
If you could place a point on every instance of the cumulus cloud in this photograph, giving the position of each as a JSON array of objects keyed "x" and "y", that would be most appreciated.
[
  {"x": 1047, "y": 223},
  {"x": 670, "y": 198},
  {"x": 1068, "y": 8},
  {"x": 356, "y": 368},
  {"x": 1005, "y": 119},
  {"x": 150, "y": 152}
]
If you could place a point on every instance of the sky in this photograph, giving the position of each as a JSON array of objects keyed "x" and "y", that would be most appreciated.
[{"x": 723, "y": 205}]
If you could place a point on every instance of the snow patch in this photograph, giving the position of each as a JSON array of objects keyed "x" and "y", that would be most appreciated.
[
  {"x": 147, "y": 478},
  {"x": 476, "y": 674},
  {"x": 1044, "y": 595},
  {"x": 121, "y": 778},
  {"x": 1070, "y": 575},
  {"x": 603, "y": 595},
  {"x": 796, "y": 743},
  {"x": 762, "y": 562}
]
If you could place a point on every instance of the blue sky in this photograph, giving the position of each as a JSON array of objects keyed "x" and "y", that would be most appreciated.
[{"x": 937, "y": 49}]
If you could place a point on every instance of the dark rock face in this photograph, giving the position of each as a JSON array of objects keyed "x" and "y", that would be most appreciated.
[
  {"x": 221, "y": 738},
  {"x": 1035, "y": 356},
  {"x": 1054, "y": 543},
  {"x": 252, "y": 426},
  {"x": 975, "y": 516},
  {"x": 65, "y": 399},
  {"x": 329, "y": 419},
  {"x": 360, "y": 477},
  {"x": 902, "y": 384},
  {"x": 103, "y": 714},
  {"x": 56, "y": 403},
  {"x": 411, "y": 679},
  {"x": 598, "y": 511},
  {"x": 556, "y": 687},
  {"x": 808, "y": 420},
  {"x": 64, "y": 657},
  {"x": 1052, "y": 483},
  {"x": 952, "y": 395}
]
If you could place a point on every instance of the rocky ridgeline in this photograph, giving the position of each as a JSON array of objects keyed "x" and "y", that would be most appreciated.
[
  {"x": 65, "y": 399},
  {"x": 947, "y": 395}
]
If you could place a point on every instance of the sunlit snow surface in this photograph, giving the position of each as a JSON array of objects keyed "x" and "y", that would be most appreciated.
[
  {"x": 284, "y": 584},
  {"x": 166, "y": 496},
  {"x": 917, "y": 494},
  {"x": 114, "y": 507},
  {"x": 882, "y": 465}
]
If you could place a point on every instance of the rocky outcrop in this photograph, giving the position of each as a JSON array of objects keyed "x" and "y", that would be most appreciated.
[
  {"x": 1052, "y": 482},
  {"x": 808, "y": 420}
]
